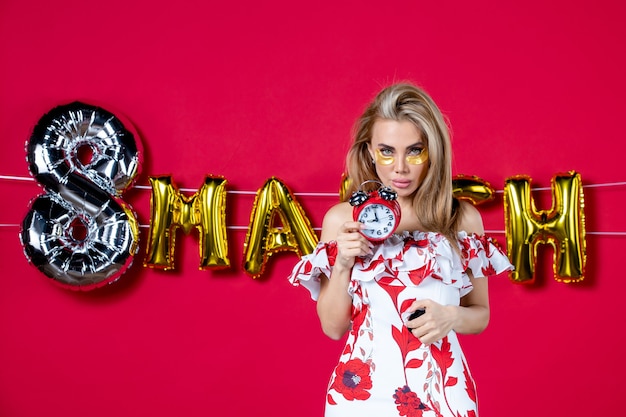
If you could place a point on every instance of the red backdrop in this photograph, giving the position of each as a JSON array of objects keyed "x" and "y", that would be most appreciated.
[{"x": 250, "y": 90}]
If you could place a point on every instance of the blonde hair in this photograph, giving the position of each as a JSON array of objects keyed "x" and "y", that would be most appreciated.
[{"x": 438, "y": 210}]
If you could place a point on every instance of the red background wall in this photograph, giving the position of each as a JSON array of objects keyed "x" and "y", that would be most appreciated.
[{"x": 250, "y": 90}]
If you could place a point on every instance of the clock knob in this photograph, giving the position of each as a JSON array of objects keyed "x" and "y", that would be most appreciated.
[
  {"x": 358, "y": 197},
  {"x": 386, "y": 193}
]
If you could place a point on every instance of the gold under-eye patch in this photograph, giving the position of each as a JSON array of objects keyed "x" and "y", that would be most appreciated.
[
  {"x": 383, "y": 159},
  {"x": 410, "y": 159},
  {"x": 418, "y": 159}
]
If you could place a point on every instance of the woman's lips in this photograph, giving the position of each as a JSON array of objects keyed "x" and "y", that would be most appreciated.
[{"x": 401, "y": 183}]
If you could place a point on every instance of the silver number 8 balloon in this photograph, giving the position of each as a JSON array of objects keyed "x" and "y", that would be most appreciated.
[{"x": 79, "y": 232}]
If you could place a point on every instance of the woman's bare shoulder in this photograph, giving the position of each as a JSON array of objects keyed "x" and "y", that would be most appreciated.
[
  {"x": 334, "y": 218},
  {"x": 471, "y": 221}
]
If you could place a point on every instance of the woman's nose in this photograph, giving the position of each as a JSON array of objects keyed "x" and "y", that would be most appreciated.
[{"x": 400, "y": 165}]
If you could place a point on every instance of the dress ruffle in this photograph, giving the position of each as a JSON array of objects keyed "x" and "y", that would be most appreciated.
[{"x": 409, "y": 258}]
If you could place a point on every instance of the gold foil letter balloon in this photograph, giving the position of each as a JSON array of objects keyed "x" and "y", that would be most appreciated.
[
  {"x": 563, "y": 227},
  {"x": 204, "y": 210},
  {"x": 472, "y": 188},
  {"x": 277, "y": 223}
]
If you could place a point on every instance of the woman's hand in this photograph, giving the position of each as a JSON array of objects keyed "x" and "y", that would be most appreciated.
[
  {"x": 350, "y": 244},
  {"x": 435, "y": 323},
  {"x": 471, "y": 317}
]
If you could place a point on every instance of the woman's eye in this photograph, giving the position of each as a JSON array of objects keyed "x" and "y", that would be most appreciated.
[
  {"x": 415, "y": 151},
  {"x": 384, "y": 156}
]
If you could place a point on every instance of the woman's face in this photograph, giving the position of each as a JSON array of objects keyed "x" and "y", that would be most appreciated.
[{"x": 400, "y": 155}]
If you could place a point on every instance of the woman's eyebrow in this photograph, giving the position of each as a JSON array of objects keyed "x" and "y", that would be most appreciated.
[{"x": 420, "y": 143}]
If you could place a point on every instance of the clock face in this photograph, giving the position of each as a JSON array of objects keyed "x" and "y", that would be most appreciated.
[{"x": 379, "y": 221}]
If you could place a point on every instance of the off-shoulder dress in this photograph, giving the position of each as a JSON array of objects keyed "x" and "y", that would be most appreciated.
[{"x": 383, "y": 369}]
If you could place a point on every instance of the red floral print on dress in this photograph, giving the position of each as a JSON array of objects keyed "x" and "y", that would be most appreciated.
[
  {"x": 489, "y": 249},
  {"x": 408, "y": 403},
  {"x": 417, "y": 275},
  {"x": 331, "y": 253},
  {"x": 488, "y": 270},
  {"x": 443, "y": 357},
  {"x": 421, "y": 243},
  {"x": 470, "y": 387},
  {"x": 406, "y": 341},
  {"x": 358, "y": 317},
  {"x": 352, "y": 380},
  {"x": 467, "y": 251}
]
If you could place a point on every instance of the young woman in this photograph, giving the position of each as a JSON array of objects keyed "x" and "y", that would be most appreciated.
[{"x": 435, "y": 262}]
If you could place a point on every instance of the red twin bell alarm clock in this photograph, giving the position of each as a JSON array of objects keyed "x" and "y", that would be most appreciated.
[{"x": 378, "y": 210}]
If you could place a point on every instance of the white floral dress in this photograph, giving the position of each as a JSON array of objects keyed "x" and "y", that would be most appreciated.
[{"x": 384, "y": 370}]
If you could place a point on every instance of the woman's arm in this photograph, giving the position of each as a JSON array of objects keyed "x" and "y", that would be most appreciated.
[
  {"x": 334, "y": 304},
  {"x": 474, "y": 308},
  {"x": 472, "y": 315}
]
